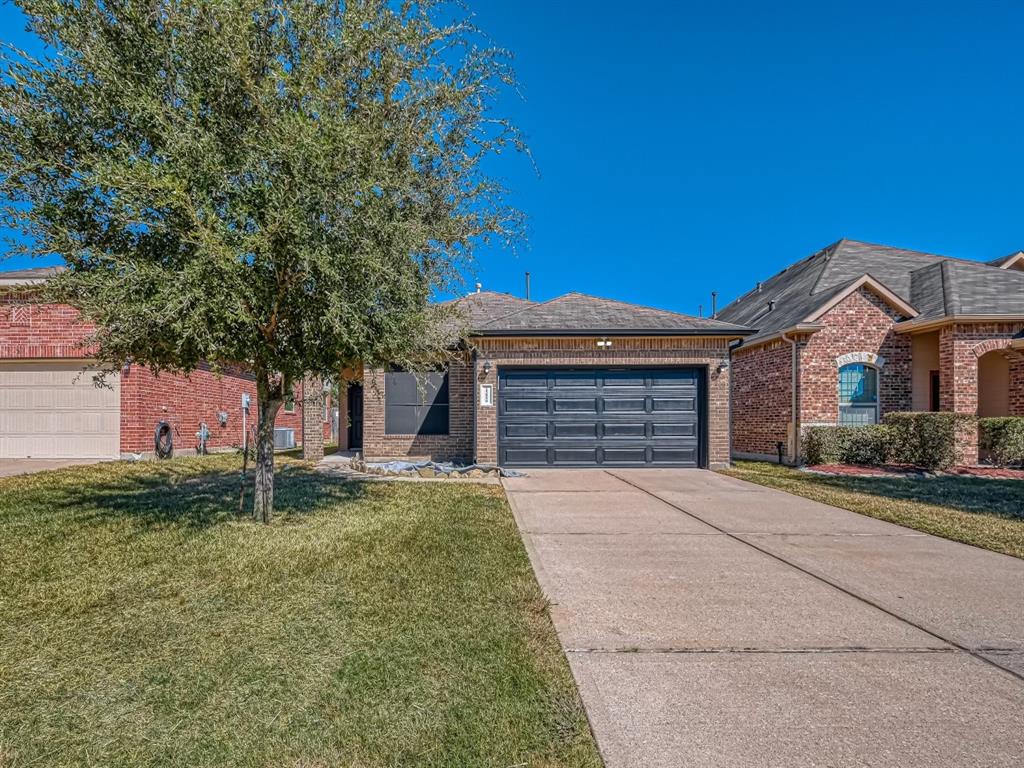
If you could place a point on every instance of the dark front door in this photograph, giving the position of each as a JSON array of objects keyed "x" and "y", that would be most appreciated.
[
  {"x": 355, "y": 416},
  {"x": 608, "y": 417}
]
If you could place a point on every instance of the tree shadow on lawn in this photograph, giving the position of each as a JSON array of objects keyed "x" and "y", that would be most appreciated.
[
  {"x": 966, "y": 494},
  {"x": 200, "y": 501}
]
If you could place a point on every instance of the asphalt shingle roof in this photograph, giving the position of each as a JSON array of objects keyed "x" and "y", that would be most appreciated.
[
  {"x": 578, "y": 313},
  {"x": 36, "y": 273},
  {"x": 936, "y": 286}
]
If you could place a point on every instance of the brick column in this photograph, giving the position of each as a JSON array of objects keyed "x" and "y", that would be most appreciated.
[
  {"x": 958, "y": 387},
  {"x": 312, "y": 418},
  {"x": 1017, "y": 385}
]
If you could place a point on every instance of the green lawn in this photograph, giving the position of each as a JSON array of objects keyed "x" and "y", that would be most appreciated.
[
  {"x": 985, "y": 513},
  {"x": 399, "y": 624}
]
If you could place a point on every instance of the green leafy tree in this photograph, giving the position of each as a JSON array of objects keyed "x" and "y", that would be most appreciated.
[{"x": 282, "y": 184}]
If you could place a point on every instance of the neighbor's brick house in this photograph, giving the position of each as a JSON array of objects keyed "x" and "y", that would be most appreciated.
[
  {"x": 859, "y": 330},
  {"x": 575, "y": 381},
  {"x": 50, "y": 408}
]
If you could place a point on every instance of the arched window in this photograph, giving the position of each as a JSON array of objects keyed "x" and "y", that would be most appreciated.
[{"x": 858, "y": 394}]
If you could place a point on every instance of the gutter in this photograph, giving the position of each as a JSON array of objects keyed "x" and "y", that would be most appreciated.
[
  {"x": 794, "y": 422},
  {"x": 737, "y": 332},
  {"x": 780, "y": 335},
  {"x": 915, "y": 326}
]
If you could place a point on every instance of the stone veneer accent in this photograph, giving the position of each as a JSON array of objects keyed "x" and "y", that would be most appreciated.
[{"x": 709, "y": 352}]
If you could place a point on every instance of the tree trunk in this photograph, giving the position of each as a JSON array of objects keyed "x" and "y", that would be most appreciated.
[{"x": 268, "y": 402}]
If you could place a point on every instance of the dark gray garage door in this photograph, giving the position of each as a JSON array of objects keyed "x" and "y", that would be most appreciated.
[{"x": 600, "y": 416}]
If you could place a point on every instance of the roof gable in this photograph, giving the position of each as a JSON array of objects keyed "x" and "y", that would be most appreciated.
[{"x": 919, "y": 285}]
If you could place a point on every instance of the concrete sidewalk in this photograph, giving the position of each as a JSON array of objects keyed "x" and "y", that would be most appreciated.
[{"x": 710, "y": 622}]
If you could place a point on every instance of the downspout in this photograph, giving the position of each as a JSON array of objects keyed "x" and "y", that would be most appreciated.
[{"x": 794, "y": 422}]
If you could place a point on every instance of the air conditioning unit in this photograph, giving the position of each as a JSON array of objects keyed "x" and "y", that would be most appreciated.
[{"x": 284, "y": 438}]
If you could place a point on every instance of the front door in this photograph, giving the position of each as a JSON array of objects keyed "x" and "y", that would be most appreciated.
[{"x": 355, "y": 416}]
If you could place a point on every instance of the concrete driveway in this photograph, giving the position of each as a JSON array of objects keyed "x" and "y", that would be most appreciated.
[
  {"x": 711, "y": 622},
  {"x": 9, "y": 467}
]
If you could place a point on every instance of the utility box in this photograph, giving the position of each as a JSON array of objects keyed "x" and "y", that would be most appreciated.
[{"x": 284, "y": 438}]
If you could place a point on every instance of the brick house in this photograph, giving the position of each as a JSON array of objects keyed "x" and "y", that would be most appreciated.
[
  {"x": 50, "y": 407},
  {"x": 576, "y": 381},
  {"x": 857, "y": 330}
]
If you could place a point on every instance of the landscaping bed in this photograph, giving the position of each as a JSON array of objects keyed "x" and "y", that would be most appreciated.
[
  {"x": 889, "y": 470},
  {"x": 983, "y": 511},
  {"x": 372, "y": 624}
]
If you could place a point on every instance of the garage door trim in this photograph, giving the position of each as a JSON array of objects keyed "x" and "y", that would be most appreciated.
[{"x": 503, "y": 420}]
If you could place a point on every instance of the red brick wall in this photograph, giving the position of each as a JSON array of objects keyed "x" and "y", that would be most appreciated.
[
  {"x": 762, "y": 401},
  {"x": 697, "y": 351},
  {"x": 862, "y": 322},
  {"x": 40, "y": 331},
  {"x": 960, "y": 346},
  {"x": 457, "y": 444},
  {"x": 55, "y": 331}
]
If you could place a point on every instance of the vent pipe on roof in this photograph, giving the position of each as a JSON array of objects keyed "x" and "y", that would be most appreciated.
[
  {"x": 758, "y": 286},
  {"x": 771, "y": 306},
  {"x": 478, "y": 287},
  {"x": 714, "y": 304},
  {"x": 527, "y": 286}
]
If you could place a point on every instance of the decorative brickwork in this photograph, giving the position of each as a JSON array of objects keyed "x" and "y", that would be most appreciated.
[
  {"x": 41, "y": 331},
  {"x": 457, "y": 444},
  {"x": 583, "y": 351}
]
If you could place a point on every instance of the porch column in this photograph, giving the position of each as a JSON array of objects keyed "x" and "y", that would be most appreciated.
[
  {"x": 312, "y": 418},
  {"x": 958, "y": 388},
  {"x": 1017, "y": 385}
]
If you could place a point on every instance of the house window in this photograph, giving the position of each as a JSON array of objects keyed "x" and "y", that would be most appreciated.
[
  {"x": 289, "y": 403},
  {"x": 858, "y": 394},
  {"x": 416, "y": 403}
]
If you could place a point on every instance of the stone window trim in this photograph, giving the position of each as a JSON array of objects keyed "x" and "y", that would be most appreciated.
[{"x": 867, "y": 358}]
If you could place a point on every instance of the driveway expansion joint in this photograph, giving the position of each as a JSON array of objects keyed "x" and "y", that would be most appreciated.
[
  {"x": 1019, "y": 676},
  {"x": 825, "y": 650}
]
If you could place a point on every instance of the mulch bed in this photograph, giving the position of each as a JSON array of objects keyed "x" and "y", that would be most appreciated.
[{"x": 853, "y": 470}]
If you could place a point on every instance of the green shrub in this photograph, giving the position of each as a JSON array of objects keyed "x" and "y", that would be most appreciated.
[
  {"x": 926, "y": 440},
  {"x": 1003, "y": 438},
  {"x": 868, "y": 444}
]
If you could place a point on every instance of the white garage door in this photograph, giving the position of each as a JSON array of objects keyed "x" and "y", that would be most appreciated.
[{"x": 55, "y": 411}]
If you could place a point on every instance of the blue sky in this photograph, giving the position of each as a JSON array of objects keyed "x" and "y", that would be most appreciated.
[{"x": 686, "y": 147}]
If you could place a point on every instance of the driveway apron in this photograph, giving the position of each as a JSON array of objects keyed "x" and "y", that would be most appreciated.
[{"x": 711, "y": 622}]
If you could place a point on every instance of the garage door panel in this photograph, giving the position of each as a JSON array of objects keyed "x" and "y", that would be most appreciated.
[
  {"x": 684, "y": 405},
  {"x": 563, "y": 405},
  {"x": 625, "y": 456},
  {"x": 625, "y": 405},
  {"x": 571, "y": 430},
  {"x": 681, "y": 429},
  {"x": 625, "y": 429},
  {"x": 575, "y": 455},
  {"x": 55, "y": 410},
  {"x": 522, "y": 405},
  {"x": 627, "y": 417},
  {"x": 525, "y": 430}
]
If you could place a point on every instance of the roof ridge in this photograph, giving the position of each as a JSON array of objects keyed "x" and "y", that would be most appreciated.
[
  {"x": 631, "y": 304},
  {"x": 529, "y": 305}
]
